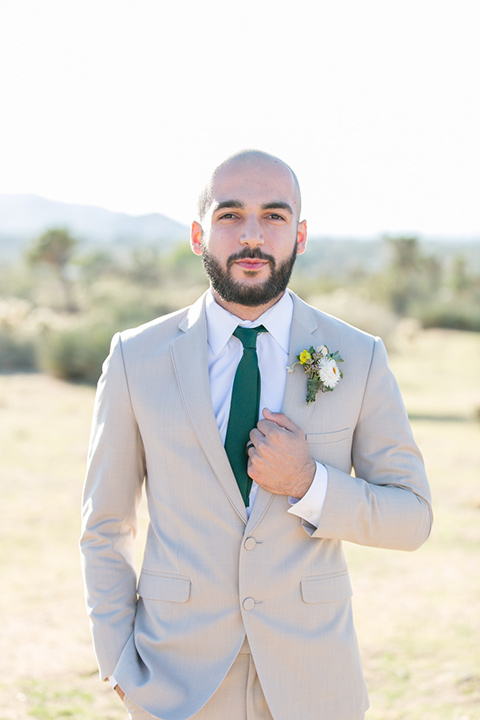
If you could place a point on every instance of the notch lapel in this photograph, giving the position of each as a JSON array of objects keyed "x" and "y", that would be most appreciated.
[
  {"x": 304, "y": 325},
  {"x": 189, "y": 351}
]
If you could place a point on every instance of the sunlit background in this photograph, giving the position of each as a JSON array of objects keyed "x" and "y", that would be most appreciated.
[{"x": 126, "y": 105}]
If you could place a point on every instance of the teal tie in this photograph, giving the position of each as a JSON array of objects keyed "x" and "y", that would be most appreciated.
[{"x": 244, "y": 407}]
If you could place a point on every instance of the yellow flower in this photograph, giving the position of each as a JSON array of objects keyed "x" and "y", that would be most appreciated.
[{"x": 305, "y": 357}]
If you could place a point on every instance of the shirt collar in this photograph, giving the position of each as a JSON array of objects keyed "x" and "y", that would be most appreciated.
[{"x": 221, "y": 323}]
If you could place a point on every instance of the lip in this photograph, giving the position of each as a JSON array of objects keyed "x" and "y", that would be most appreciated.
[{"x": 251, "y": 263}]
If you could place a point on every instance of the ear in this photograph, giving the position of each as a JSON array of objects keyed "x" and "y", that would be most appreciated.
[
  {"x": 302, "y": 237},
  {"x": 196, "y": 234}
]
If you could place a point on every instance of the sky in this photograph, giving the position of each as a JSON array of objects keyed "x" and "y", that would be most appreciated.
[{"x": 128, "y": 105}]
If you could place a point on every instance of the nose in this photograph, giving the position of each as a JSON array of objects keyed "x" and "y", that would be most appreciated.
[{"x": 252, "y": 232}]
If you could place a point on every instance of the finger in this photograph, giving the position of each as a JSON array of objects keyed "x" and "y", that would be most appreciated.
[
  {"x": 249, "y": 447},
  {"x": 256, "y": 437},
  {"x": 280, "y": 419},
  {"x": 266, "y": 427}
]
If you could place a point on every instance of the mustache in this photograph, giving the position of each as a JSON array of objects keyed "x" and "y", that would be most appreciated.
[{"x": 253, "y": 254}]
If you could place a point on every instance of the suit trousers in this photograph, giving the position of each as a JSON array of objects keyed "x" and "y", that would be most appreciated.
[{"x": 239, "y": 697}]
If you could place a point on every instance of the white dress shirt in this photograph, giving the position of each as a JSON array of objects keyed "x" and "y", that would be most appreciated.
[{"x": 225, "y": 352}]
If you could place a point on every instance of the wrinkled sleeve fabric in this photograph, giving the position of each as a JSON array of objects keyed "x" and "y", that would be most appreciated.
[
  {"x": 113, "y": 486},
  {"x": 386, "y": 503}
]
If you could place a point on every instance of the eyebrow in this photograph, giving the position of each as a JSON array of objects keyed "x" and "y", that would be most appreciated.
[
  {"x": 229, "y": 204},
  {"x": 277, "y": 205},
  {"x": 274, "y": 205}
]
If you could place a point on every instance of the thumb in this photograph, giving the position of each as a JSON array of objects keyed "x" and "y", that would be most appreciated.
[{"x": 280, "y": 419}]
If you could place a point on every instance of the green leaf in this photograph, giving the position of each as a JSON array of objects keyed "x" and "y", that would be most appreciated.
[{"x": 313, "y": 386}]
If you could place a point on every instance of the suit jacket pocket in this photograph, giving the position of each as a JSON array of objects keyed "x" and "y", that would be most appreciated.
[
  {"x": 170, "y": 588},
  {"x": 326, "y": 588},
  {"x": 328, "y": 437}
]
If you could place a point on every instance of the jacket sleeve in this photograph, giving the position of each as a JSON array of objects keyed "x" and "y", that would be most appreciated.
[
  {"x": 387, "y": 502},
  {"x": 113, "y": 485}
]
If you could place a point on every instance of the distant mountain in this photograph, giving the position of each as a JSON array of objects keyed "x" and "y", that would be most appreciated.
[{"x": 24, "y": 217}]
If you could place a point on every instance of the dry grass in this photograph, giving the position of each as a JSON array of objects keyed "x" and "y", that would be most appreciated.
[{"x": 418, "y": 615}]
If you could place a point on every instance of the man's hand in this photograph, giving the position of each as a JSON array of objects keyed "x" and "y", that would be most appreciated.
[
  {"x": 119, "y": 692},
  {"x": 279, "y": 459}
]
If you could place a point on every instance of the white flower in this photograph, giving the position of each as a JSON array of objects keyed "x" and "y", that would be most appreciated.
[
  {"x": 322, "y": 350},
  {"x": 328, "y": 371}
]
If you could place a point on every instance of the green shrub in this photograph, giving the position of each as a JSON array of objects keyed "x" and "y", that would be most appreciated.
[
  {"x": 17, "y": 347},
  {"x": 455, "y": 315},
  {"x": 17, "y": 352},
  {"x": 75, "y": 353}
]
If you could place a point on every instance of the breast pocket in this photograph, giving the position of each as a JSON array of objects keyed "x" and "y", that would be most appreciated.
[
  {"x": 332, "y": 448},
  {"x": 326, "y": 588},
  {"x": 335, "y": 436},
  {"x": 169, "y": 588}
]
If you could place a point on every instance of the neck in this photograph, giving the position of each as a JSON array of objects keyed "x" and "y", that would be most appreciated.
[{"x": 245, "y": 312}]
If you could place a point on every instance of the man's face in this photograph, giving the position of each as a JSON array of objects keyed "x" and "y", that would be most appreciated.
[{"x": 250, "y": 235}]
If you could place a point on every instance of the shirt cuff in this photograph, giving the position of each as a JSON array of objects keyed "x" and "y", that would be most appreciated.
[
  {"x": 310, "y": 507},
  {"x": 113, "y": 682}
]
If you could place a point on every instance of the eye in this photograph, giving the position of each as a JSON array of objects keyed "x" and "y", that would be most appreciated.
[
  {"x": 227, "y": 216},
  {"x": 276, "y": 216}
]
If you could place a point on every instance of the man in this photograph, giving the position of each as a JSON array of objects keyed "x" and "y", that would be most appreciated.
[{"x": 243, "y": 606}]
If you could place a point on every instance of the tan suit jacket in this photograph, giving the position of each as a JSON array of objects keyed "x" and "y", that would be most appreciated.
[{"x": 210, "y": 576}]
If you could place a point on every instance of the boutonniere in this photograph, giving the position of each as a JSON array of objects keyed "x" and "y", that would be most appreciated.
[{"x": 321, "y": 368}]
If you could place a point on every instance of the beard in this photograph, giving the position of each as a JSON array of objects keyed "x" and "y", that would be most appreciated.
[{"x": 241, "y": 293}]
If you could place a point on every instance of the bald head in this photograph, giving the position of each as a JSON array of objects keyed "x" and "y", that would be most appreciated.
[{"x": 248, "y": 161}]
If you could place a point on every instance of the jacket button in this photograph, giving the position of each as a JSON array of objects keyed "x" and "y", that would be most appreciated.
[
  {"x": 249, "y": 543},
  {"x": 248, "y": 603}
]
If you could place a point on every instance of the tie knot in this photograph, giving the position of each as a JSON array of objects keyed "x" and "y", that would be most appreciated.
[{"x": 248, "y": 336}]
